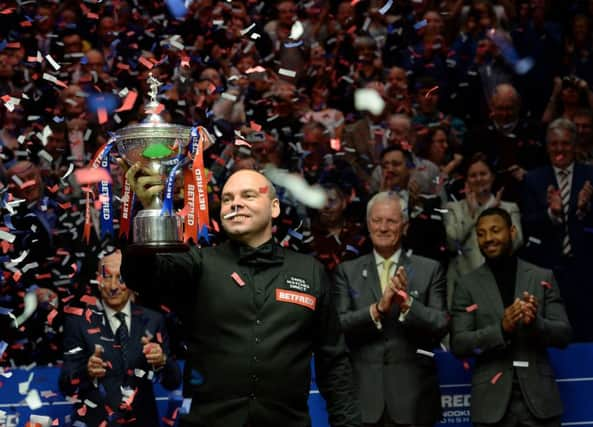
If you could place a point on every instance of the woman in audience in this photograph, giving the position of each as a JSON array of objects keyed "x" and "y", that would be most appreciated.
[{"x": 461, "y": 217}]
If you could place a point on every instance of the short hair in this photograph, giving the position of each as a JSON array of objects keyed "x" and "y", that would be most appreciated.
[
  {"x": 562, "y": 124},
  {"x": 385, "y": 196},
  {"x": 496, "y": 211},
  {"x": 406, "y": 153}
]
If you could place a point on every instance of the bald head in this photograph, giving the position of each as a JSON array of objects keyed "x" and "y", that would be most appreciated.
[
  {"x": 248, "y": 206},
  {"x": 505, "y": 104}
]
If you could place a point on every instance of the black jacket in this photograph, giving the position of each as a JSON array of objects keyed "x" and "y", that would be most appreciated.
[{"x": 253, "y": 321}]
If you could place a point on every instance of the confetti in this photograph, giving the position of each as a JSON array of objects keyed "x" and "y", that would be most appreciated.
[
  {"x": 369, "y": 100},
  {"x": 471, "y": 308},
  {"x": 128, "y": 103},
  {"x": 495, "y": 378},
  {"x": 91, "y": 175},
  {"x": 311, "y": 196},
  {"x": 237, "y": 279},
  {"x": 520, "y": 364}
]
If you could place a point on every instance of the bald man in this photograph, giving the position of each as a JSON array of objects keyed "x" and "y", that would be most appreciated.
[
  {"x": 511, "y": 143},
  {"x": 254, "y": 314}
]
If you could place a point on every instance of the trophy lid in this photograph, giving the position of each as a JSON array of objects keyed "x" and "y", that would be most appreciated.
[{"x": 153, "y": 138}]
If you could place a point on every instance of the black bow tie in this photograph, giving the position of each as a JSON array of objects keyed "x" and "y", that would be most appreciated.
[{"x": 264, "y": 254}]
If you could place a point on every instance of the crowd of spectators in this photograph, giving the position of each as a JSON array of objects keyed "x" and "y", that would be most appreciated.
[{"x": 469, "y": 87}]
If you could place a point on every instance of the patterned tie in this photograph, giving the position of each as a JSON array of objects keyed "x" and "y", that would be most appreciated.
[
  {"x": 565, "y": 196},
  {"x": 385, "y": 276},
  {"x": 122, "y": 337}
]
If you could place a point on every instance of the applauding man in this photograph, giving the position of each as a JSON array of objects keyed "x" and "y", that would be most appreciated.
[
  {"x": 113, "y": 355},
  {"x": 392, "y": 309},
  {"x": 506, "y": 313}
]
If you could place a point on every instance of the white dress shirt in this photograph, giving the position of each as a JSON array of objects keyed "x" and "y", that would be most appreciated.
[{"x": 114, "y": 321}]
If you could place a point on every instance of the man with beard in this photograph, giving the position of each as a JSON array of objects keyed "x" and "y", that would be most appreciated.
[{"x": 505, "y": 314}]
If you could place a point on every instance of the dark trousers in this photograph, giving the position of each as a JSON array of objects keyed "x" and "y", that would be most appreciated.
[{"x": 519, "y": 415}]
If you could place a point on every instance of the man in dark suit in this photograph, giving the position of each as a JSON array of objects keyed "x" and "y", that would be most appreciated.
[
  {"x": 112, "y": 356},
  {"x": 558, "y": 223},
  {"x": 254, "y": 314},
  {"x": 505, "y": 314},
  {"x": 392, "y": 310}
]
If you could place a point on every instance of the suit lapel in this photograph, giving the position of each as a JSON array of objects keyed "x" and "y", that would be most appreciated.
[
  {"x": 522, "y": 279},
  {"x": 490, "y": 288},
  {"x": 372, "y": 277}
]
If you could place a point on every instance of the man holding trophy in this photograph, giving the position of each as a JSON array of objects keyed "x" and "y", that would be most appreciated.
[{"x": 254, "y": 312}]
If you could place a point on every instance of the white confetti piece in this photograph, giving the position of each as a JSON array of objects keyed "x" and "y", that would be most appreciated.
[
  {"x": 312, "y": 196},
  {"x": 296, "y": 31},
  {"x": 52, "y": 62},
  {"x": 424, "y": 352},
  {"x": 520, "y": 364},
  {"x": 369, "y": 100},
  {"x": 287, "y": 72},
  {"x": 33, "y": 400}
]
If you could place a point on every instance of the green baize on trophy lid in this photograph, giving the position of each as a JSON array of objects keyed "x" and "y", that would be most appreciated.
[{"x": 157, "y": 151}]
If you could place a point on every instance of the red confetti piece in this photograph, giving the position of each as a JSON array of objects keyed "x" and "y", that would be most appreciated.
[
  {"x": 102, "y": 115},
  {"x": 75, "y": 381},
  {"x": 145, "y": 62},
  {"x": 495, "y": 378},
  {"x": 89, "y": 299},
  {"x": 128, "y": 103},
  {"x": 466, "y": 365},
  {"x": 168, "y": 421},
  {"x": 51, "y": 316},
  {"x": 237, "y": 279},
  {"x": 87, "y": 315},
  {"x": 17, "y": 275},
  {"x": 256, "y": 127},
  {"x": 263, "y": 190},
  {"x": 92, "y": 331},
  {"x": 335, "y": 144},
  {"x": 545, "y": 284},
  {"x": 92, "y": 15},
  {"x": 91, "y": 175},
  {"x": 165, "y": 308},
  {"x": 73, "y": 310},
  {"x": 27, "y": 184},
  {"x": 159, "y": 337},
  {"x": 471, "y": 308}
]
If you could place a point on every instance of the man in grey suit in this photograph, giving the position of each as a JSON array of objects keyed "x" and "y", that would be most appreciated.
[
  {"x": 392, "y": 310},
  {"x": 506, "y": 313}
]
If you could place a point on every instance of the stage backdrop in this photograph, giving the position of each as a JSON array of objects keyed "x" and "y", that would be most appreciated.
[{"x": 573, "y": 367}]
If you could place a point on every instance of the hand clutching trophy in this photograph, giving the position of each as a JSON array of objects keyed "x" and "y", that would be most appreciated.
[{"x": 160, "y": 151}]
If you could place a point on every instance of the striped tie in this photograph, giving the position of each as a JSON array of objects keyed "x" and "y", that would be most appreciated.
[{"x": 565, "y": 196}]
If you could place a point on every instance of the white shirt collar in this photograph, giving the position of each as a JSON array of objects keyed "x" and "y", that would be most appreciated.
[
  {"x": 568, "y": 169},
  {"x": 113, "y": 321},
  {"x": 379, "y": 260}
]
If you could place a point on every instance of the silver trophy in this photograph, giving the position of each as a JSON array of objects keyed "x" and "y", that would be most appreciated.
[{"x": 156, "y": 145}]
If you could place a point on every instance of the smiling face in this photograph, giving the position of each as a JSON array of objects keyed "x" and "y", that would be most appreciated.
[
  {"x": 114, "y": 292},
  {"x": 561, "y": 149},
  {"x": 248, "y": 205},
  {"x": 480, "y": 178},
  {"x": 386, "y": 226},
  {"x": 495, "y": 237}
]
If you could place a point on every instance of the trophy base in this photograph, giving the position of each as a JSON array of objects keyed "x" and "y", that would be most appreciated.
[
  {"x": 157, "y": 247},
  {"x": 158, "y": 233}
]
